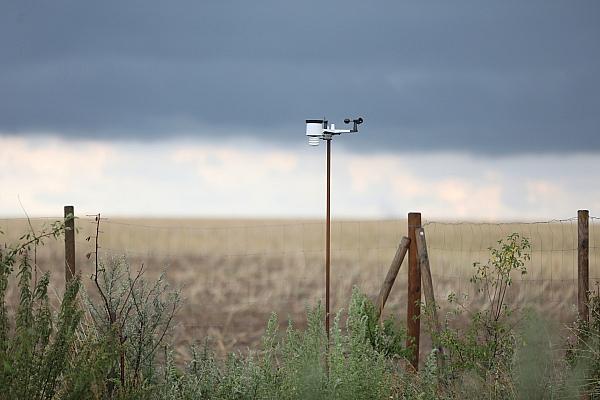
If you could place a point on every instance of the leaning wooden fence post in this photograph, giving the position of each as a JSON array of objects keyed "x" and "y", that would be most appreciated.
[
  {"x": 390, "y": 278},
  {"x": 69, "y": 243},
  {"x": 428, "y": 291},
  {"x": 413, "y": 307},
  {"x": 583, "y": 264}
]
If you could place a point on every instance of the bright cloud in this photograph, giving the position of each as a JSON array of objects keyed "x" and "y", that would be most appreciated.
[
  {"x": 209, "y": 179},
  {"x": 38, "y": 170}
]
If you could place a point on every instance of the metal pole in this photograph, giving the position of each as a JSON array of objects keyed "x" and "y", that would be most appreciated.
[{"x": 327, "y": 239}]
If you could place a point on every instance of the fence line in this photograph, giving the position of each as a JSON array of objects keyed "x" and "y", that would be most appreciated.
[{"x": 262, "y": 265}]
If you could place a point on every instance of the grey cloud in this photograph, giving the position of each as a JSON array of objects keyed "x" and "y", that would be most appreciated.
[{"x": 497, "y": 78}]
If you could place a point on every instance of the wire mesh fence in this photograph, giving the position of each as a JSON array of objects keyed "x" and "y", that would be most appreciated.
[{"x": 234, "y": 273}]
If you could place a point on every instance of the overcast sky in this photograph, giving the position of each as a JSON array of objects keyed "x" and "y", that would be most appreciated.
[
  {"x": 493, "y": 77},
  {"x": 500, "y": 100}
]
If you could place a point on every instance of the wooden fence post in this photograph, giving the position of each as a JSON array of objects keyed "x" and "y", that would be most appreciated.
[
  {"x": 429, "y": 293},
  {"x": 69, "y": 243},
  {"x": 413, "y": 307},
  {"x": 390, "y": 278},
  {"x": 583, "y": 264}
]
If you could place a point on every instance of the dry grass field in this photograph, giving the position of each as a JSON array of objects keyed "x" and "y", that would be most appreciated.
[{"x": 234, "y": 273}]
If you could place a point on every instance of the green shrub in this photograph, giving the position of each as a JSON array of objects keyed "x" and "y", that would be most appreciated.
[
  {"x": 388, "y": 338},
  {"x": 487, "y": 345},
  {"x": 479, "y": 355},
  {"x": 294, "y": 364},
  {"x": 129, "y": 326},
  {"x": 583, "y": 350},
  {"x": 46, "y": 354},
  {"x": 35, "y": 352}
]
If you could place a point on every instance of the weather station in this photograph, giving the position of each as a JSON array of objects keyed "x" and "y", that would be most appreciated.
[{"x": 317, "y": 130}]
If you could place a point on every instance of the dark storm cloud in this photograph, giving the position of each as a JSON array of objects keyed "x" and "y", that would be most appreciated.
[{"x": 499, "y": 77}]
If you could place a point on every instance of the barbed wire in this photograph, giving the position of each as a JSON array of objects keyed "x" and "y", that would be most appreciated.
[
  {"x": 504, "y": 223},
  {"x": 31, "y": 218}
]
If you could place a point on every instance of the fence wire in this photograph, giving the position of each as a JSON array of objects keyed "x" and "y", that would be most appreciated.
[{"x": 233, "y": 274}]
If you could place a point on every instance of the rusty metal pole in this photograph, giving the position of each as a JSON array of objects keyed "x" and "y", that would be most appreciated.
[
  {"x": 328, "y": 240},
  {"x": 69, "y": 243}
]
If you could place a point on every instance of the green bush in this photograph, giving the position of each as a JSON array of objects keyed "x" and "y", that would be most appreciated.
[
  {"x": 480, "y": 345},
  {"x": 388, "y": 338},
  {"x": 583, "y": 350},
  {"x": 78, "y": 351},
  {"x": 36, "y": 350},
  {"x": 487, "y": 345},
  {"x": 134, "y": 316},
  {"x": 294, "y": 365}
]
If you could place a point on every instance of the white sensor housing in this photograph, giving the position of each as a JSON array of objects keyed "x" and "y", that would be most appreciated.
[
  {"x": 314, "y": 127},
  {"x": 314, "y": 131}
]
